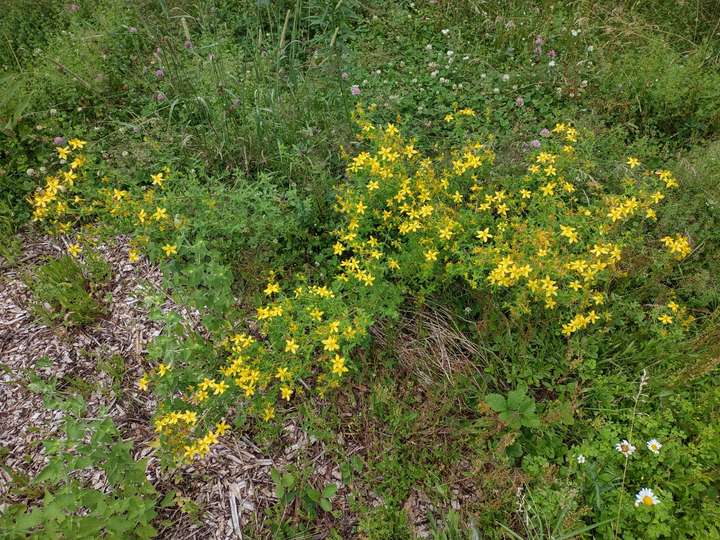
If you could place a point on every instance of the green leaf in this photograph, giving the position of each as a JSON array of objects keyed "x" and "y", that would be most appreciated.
[
  {"x": 511, "y": 418},
  {"x": 516, "y": 400},
  {"x": 168, "y": 500},
  {"x": 28, "y": 520},
  {"x": 313, "y": 494},
  {"x": 326, "y": 505},
  {"x": 52, "y": 472},
  {"x": 496, "y": 402},
  {"x": 329, "y": 491},
  {"x": 288, "y": 480},
  {"x": 275, "y": 475}
]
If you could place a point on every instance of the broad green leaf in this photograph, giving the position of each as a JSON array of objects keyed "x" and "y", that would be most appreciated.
[{"x": 496, "y": 402}]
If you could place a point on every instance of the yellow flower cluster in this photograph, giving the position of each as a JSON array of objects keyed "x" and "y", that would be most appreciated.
[
  {"x": 532, "y": 236},
  {"x": 162, "y": 423},
  {"x": 678, "y": 246},
  {"x": 550, "y": 239},
  {"x": 579, "y": 322},
  {"x": 201, "y": 446},
  {"x": 51, "y": 202}
]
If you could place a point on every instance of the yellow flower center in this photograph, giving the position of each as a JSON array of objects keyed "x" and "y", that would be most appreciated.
[{"x": 648, "y": 500}]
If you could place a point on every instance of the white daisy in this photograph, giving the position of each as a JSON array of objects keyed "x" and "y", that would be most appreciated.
[
  {"x": 625, "y": 448},
  {"x": 654, "y": 446},
  {"x": 646, "y": 497}
]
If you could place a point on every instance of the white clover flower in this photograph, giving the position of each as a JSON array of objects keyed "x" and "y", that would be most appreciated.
[
  {"x": 551, "y": 63},
  {"x": 450, "y": 53},
  {"x": 654, "y": 446},
  {"x": 590, "y": 48},
  {"x": 496, "y": 90},
  {"x": 625, "y": 448},
  {"x": 646, "y": 497},
  {"x": 445, "y": 31},
  {"x": 581, "y": 459},
  {"x": 505, "y": 77},
  {"x": 428, "y": 47},
  {"x": 574, "y": 33}
]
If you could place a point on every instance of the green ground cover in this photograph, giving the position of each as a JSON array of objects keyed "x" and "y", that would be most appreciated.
[{"x": 275, "y": 158}]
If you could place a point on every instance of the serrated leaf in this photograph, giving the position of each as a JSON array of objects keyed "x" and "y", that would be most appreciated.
[{"x": 497, "y": 402}]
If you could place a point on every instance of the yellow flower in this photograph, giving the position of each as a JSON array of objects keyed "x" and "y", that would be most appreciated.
[
  {"x": 431, "y": 255},
  {"x": 163, "y": 369},
  {"x": 373, "y": 185},
  {"x": 268, "y": 413},
  {"x": 665, "y": 318},
  {"x": 221, "y": 428},
  {"x": 272, "y": 288},
  {"x": 157, "y": 179},
  {"x": 62, "y": 152},
  {"x": 678, "y": 246},
  {"x": 286, "y": 392},
  {"x": 484, "y": 235},
  {"x": 673, "y": 307},
  {"x": 548, "y": 189},
  {"x": 330, "y": 344},
  {"x": 78, "y": 162},
  {"x": 446, "y": 233},
  {"x": 169, "y": 250},
  {"x": 283, "y": 374},
  {"x": 316, "y": 314},
  {"x": 338, "y": 365},
  {"x": 143, "y": 382},
  {"x": 74, "y": 249},
  {"x": 133, "y": 255},
  {"x": 569, "y": 233},
  {"x": 633, "y": 162},
  {"x": 393, "y": 264},
  {"x": 338, "y": 248},
  {"x": 76, "y": 143},
  {"x": 220, "y": 388},
  {"x": 291, "y": 346},
  {"x": 160, "y": 214}
]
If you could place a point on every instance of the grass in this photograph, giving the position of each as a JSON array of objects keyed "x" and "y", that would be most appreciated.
[{"x": 250, "y": 106}]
